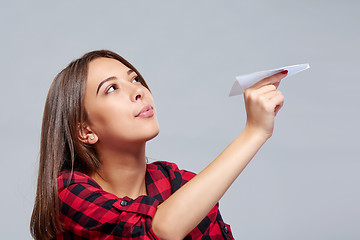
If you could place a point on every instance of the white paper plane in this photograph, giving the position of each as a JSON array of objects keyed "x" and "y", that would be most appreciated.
[{"x": 244, "y": 81}]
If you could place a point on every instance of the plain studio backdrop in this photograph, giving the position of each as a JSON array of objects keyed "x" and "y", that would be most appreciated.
[{"x": 304, "y": 182}]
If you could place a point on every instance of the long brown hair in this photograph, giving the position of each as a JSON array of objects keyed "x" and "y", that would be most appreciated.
[{"x": 60, "y": 147}]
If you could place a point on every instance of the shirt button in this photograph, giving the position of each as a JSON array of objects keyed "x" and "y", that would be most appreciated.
[
  {"x": 123, "y": 203},
  {"x": 226, "y": 230}
]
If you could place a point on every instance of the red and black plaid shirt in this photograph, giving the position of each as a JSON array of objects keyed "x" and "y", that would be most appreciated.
[{"x": 88, "y": 212}]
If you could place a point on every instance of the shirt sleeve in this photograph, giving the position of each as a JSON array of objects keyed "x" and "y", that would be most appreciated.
[{"x": 88, "y": 212}]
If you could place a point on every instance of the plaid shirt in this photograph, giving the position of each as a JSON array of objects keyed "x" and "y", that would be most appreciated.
[{"x": 88, "y": 212}]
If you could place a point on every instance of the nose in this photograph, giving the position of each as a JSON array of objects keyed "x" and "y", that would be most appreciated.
[{"x": 137, "y": 94}]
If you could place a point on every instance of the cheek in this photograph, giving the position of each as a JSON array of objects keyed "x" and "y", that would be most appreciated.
[{"x": 109, "y": 118}]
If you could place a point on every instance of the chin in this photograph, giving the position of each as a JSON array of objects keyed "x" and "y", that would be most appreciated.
[
  {"x": 145, "y": 132},
  {"x": 155, "y": 133},
  {"x": 152, "y": 130}
]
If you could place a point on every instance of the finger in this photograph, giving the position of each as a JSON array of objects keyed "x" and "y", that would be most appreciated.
[
  {"x": 278, "y": 107},
  {"x": 276, "y": 101},
  {"x": 273, "y": 79},
  {"x": 270, "y": 95},
  {"x": 264, "y": 94},
  {"x": 276, "y": 84},
  {"x": 265, "y": 89}
]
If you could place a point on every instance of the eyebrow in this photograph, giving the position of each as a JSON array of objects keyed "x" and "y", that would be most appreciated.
[
  {"x": 109, "y": 79},
  {"x": 104, "y": 81}
]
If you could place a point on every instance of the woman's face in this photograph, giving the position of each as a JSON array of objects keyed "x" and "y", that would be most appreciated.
[{"x": 120, "y": 109}]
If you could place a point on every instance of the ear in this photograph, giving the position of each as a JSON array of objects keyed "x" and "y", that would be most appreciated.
[{"x": 86, "y": 135}]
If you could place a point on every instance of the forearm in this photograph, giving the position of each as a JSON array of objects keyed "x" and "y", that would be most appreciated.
[{"x": 180, "y": 213}]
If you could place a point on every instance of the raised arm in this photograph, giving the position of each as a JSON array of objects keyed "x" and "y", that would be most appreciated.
[{"x": 184, "y": 210}]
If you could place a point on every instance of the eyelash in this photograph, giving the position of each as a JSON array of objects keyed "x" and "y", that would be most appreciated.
[
  {"x": 111, "y": 86},
  {"x": 136, "y": 79}
]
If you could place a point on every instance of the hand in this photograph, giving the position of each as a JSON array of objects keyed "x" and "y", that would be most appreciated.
[{"x": 262, "y": 102}]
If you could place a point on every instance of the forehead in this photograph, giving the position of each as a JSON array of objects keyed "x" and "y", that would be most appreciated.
[{"x": 102, "y": 68}]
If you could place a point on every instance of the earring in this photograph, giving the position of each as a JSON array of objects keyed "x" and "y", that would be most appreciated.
[{"x": 92, "y": 138}]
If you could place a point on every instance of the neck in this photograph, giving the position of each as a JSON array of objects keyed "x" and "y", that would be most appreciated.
[{"x": 122, "y": 171}]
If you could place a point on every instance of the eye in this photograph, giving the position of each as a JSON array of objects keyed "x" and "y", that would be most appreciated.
[
  {"x": 111, "y": 89},
  {"x": 136, "y": 79}
]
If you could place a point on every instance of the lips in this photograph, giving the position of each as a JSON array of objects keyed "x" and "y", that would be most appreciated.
[{"x": 147, "y": 111}]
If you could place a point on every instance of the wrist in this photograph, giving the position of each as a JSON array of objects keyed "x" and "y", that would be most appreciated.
[{"x": 256, "y": 133}]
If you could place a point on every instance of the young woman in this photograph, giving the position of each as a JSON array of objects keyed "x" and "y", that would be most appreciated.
[{"x": 94, "y": 182}]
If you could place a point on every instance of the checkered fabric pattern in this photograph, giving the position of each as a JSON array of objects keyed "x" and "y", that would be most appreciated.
[{"x": 88, "y": 212}]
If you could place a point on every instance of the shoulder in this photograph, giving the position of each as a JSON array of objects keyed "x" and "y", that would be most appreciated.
[
  {"x": 169, "y": 169},
  {"x": 161, "y": 170},
  {"x": 80, "y": 192},
  {"x": 67, "y": 178}
]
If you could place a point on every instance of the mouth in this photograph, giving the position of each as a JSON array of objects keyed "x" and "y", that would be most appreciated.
[{"x": 146, "y": 112}]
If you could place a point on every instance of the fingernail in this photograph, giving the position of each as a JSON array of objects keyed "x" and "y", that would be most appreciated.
[{"x": 284, "y": 72}]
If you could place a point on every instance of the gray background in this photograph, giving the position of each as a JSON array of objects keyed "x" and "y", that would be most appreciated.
[{"x": 304, "y": 182}]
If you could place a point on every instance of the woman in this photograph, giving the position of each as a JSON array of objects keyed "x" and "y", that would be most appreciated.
[{"x": 94, "y": 182}]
